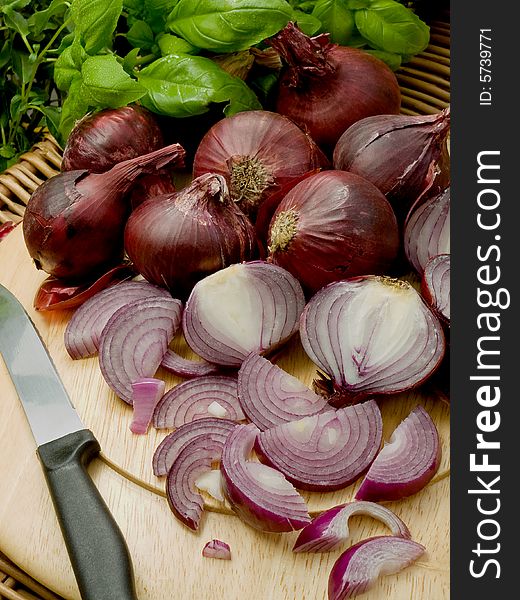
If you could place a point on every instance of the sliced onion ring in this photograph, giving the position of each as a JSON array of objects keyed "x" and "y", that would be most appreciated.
[
  {"x": 183, "y": 367},
  {"x": 330, "y": 529},
  {"x": 134, "y": 341},
  {"x": 173, "y": 443},
  {"x": 406, "y": 463},
  {"x": 84, "y": 328},
  {"x": 247, "y": 307},
  {"x": 269, "y": 396},
  {"x": 146, "y": 393},
  {"x": 261, "y": 496},
  {"x": 358, "y": 567},
  {"x": 371, "y": 335},
  {"x": 217, "y": 549},
  {"x": 324, "y": 452},
  {"x": 435, "y": 285},
  {"x": 212, "y": 396}
]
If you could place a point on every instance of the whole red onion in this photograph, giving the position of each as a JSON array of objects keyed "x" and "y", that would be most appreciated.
[
  {"x": 326, "y": 88},
  {"x": 331, "y": 226}
]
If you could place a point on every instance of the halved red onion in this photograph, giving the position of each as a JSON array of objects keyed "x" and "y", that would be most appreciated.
[
  {"x": 146, "y": 393},
  {"x": 84, "y": 328},
  {"x": 435, "y": 285},
  {"x": 183, "y": 367},
  {"x": 407, "y": 462},
  {"x": 261, "y": 496},
  {"x": 168, "y": 450},
  {"x": 330, "y": 529},
  {"x": 269, "y": 396},
  {"x": 212, "y": 396},
  {"x": 427, "y": 229},
  {"x": 247, "y": 307},
  {"x": 217, "y": 549},
  {"x": 324, "y": 452},
  {"x": 358, "y": 567},
  {"x": 371, "y": 335},
  {"x": 134, "y": 341}
]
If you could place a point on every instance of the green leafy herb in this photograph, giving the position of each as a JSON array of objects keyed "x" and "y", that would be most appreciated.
[
  {"x": 336, "y": 19},
  {"x": 140, "y": 35},
  {"x": 171, "y": 44},
  {"x": 308, "y": 23},
  {"x": 392, "y": 60},
  {"x": 95, "y": 22}
]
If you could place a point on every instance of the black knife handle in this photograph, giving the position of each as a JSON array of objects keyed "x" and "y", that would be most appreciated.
[{"x": 95, "y": 544}]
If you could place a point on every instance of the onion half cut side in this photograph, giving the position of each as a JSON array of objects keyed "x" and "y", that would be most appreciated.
[
  {"x": 371, "y": 335},
  {"x": 134, "y": 341},
  {"x": 262, "y": 497},
  {"x": 406, "y": 463},
  {"x": 269, "y": 396},
  {"x": 357, "y": 568},
  {"x": 330, "y": 529},
  {"x": 324, "y": 452},
  {"x": 247, "y": 307},
  {"x": 436, "y": 285}
]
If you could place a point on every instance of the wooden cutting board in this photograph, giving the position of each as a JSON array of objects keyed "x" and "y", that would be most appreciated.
[{"x": 166, "y": 555}]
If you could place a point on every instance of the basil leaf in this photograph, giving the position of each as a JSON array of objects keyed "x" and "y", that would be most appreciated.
[
  {"x": 228, "y": 25},
  {"x": 336, "y": 19},
  {"x": 39, "y": 21},
  {"x": 392, "y": 60},
  {"x": 74, "y": 107},
  {"x": 131, "y": 60},
  {"x": 52, "y": 119},
  {"x": 140, "y": 35},
  {"x": 357, "y": 4},
  {"x": 68, "y": 65},
  {"x": 5, "y": 53},
  {"x": 15, "y": 21},
  {"x": 23, "y": 65},
  {"x": 392, "y": 27},
  {"x": 96, "y": 21},
  {"x": 184, "y": 85},
  {"x": 309, "y": 24},
  {"x": 155, "y": 13},
  {"x": 171, "y": 44}
]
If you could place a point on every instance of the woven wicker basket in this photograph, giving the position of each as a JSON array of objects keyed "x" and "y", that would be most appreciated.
[{"x": 425, "y": 87}]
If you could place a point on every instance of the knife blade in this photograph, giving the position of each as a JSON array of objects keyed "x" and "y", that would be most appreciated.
[{"x": 95, "y": 544}]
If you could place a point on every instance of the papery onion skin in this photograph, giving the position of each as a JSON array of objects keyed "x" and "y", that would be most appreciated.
[
  {"x": 325, "y": 88},
  {"x": 358, "y": 567},
  {"x": 435, "y": 285},
  {"x": 330, "y": 529},
  {"x": 403, "y": 467},
  {"x": 217, "y": 549},
  {"x": 332, "y": 226}
]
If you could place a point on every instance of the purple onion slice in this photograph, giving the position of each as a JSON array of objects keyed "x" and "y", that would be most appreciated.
[
  {"x": 134, "y": 341},
  {"x": 371, "y": 335},
  {"x": 247, "y": 307},
  {"x": 407, "y": 462},
  {"x": 358, "y": 567},
  {"x": 436, "y": 284},
  {"x": 325, "y": 452},
  {"x": 183, "y": 367},
  {"x": 146, "y": 393},
  {"x": 261, "y": 496},
  {"x": 84, "y": 329},
  {"x": 212, "y": 396},
  {"x": 168, "y": 450},
  {"x": 217, "y": 549},
  {"x": 269, "y": 396},
  {"x": 330, "y": 529}
]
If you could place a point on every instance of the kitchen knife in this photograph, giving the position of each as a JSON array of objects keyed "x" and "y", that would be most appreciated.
[{"x": 96, "y": 547}]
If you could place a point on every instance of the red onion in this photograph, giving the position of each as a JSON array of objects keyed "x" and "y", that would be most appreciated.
[
  {"x": 427, "y": 229},
  {"x": 330, "y": 529},
  {"x": 84, "y": 329},
  {"x": 324, "y": 452},
  {"x": 259, "y": 153},
  {"x": 168, "y": 450},
  {"x": 151, "y": 186},
  {"x": 331, "y": 226},
  {"x": 326, "y": 88},
  {"x": 435, "y": 285},
  {"x": 269, "y": 396},
  {"x": 217, "y": 549},
  {"x": 252, "y": 307},
  {"x": 134, "y": 341},
  {"x": 183, "y": 367},
  {"x": 407, "y": 462},
  {"x": 6, "y": 228},
  {"x": 176, "y": 240},
  {"x": 358, "y": 567},
  {"x": 261, "y": 496},
  {"x": 101, "y": 140},
  {"x": 396, "y": 153},
  {"x": 146, "y": 393},
  {"x": 212, "y": 396},
  {"x": 371, "y": 335},
  {"x": 74, "y": 222}
]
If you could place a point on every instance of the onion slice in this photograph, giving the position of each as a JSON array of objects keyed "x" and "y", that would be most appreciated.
[
  {"x": 328, "y": 530},
  {"x": 212, "y": 396},
  {"x": 134, "y": 341},
  {"x": 358, "y": 567},
  {"x": 269, "y": 396},
  {"x": 247, "y": 307},
  {"x": 146, "y": 393},
  {"x": 371, "y": 335},
  {"x": 183, "y": 367},
  {"x": 406, "y": 463},
  {"x": 261, "y": 496},
  {"x": 325, "y": 452},
  {"x": 167, "y": 451},
  {"x": 435, "y": 285},
  {"x": 217, "y": 549},
  {"x": 84, "y": 328}
]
